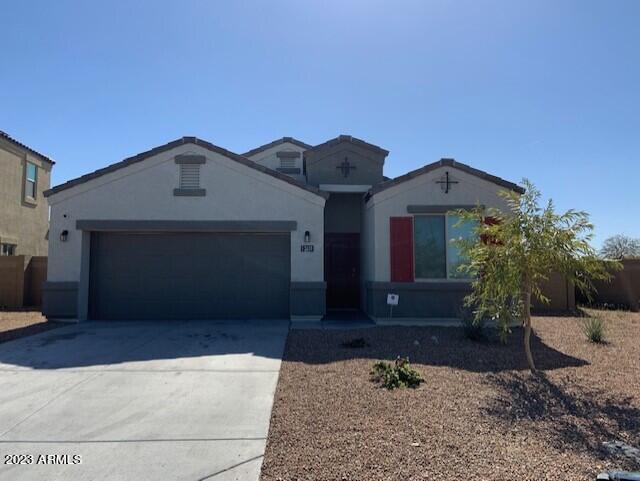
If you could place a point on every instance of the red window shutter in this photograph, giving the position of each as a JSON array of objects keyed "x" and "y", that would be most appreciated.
[
  {"x": 401, "y": 249},
  {"x": 488, "y": 220}
]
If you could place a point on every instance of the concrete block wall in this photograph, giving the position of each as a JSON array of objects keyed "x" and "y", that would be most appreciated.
[
  {"x": 623, "y": 290},
  {"x": 21, "y": 280}
]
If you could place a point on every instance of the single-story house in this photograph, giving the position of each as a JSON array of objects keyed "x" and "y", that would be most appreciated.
[{"x": 189, "y": 230}]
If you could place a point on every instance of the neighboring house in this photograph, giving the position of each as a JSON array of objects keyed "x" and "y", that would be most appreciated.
[
  {"x": 288, "y": 230},
  {"x": 24, "y": 213}
]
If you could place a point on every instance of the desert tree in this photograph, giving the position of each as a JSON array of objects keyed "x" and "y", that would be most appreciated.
[
  {"x": 620, "y": 247},
  {"x": 514, "y": 252}
]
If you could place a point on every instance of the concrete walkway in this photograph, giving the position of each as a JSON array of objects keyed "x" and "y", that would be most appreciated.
[{"x": 140, "y": 400}]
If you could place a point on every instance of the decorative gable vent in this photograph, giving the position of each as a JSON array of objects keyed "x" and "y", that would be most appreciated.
[
  {"x": 189, "y": 176},
  {"x": 288, "y": 162}
]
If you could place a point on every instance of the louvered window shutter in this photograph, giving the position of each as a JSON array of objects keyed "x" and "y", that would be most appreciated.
[{"x": 489, "y": 221}]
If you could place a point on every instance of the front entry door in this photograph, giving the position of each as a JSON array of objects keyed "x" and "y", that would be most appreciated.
[{"x": 342, "y": 270}]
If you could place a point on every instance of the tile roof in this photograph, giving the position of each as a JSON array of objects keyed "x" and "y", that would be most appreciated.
[
  {"x": 290, "y": 140},
  {"x": 6, "y": 136},
  {"x": 182, "y": 141},
  {"x": 351, "y": 139},
  {"x": 445, "y": 163}
]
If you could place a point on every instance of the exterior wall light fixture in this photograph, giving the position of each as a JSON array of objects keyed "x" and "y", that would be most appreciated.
[
  {"x": 64, "y": 235},
  {"x": 307, "y": 237}
]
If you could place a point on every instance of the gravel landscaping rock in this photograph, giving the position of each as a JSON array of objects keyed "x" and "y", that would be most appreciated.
[
  {"x": 15, "y": 324},
  {"x": 623, "y": 449},
  {"x": 479, "y": 415}
]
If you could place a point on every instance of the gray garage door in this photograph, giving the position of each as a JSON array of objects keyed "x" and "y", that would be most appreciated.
[{"x": 189, "y": 276}]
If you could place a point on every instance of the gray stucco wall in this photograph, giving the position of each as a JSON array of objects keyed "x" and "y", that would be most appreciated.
[
  {"x": 323, "y": 165},
  {"x": 60, "y": 300},
  {"x": 22, "y": 221},
  {"x": 269, "y": 158},
  {"x": 144, "y": 191},
  {"x": 368, "y": 244},
  {"x": 308, "y": 300},
  {"x": 422, "y": 190},
  {"x": 342, "y": 213},
  {"x": 422, "y": 298},
  {"x": 441, "y": 300}
]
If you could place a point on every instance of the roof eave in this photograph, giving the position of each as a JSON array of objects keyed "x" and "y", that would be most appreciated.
[
  {"x": 275, "y": 143},
  {"x": 17, "y": 143},
  {"x": 182, "y": 141},
  {"x": 350, "y": 139},
  {"x": 444, "y": 163}
]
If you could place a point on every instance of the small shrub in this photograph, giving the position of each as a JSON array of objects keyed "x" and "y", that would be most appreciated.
[
  {"x": 357, "y": 343},
  {"x": 471, "y": 327},
  {"x": 473, "y": 330},
  {"x": 398, "y": 374},
  {"x": 594, "y": 329}
]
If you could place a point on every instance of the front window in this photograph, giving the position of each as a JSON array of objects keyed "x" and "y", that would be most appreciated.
[
  {"x": 457, "y": 230},
  {"x": 31, "y": 179},
  {"x": 436, "y": 255},
  {"x": 7, "y": 249},
  {"x": 430, "y": 247}
]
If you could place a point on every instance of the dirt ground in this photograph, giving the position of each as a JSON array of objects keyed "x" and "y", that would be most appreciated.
[{"x": 480, "y": 415}]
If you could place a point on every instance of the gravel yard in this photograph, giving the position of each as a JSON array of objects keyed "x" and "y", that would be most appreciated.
[
  {"x": 480, "y": 415},
  {"x": 15, "y": 324}
]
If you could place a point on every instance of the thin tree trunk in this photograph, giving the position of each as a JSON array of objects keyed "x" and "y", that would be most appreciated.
[{"x": 526, "y": 301}]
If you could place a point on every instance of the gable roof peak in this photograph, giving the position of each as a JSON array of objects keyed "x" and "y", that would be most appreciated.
[
  {"x": 445, "y": 162},
  {"x": 170, "y": 145},
  {"x": 353, "y": 140},
  {"x": 275, "y": 143}
]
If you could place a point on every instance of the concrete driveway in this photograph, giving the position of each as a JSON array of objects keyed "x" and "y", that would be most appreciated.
[{"x": 140, "y": 400}]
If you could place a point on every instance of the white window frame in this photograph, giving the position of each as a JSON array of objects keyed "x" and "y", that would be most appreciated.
[
  {"x": 3, "y": 244},
  {"x": 27, "y": 180},
  {"x": 446, "y": 252}
]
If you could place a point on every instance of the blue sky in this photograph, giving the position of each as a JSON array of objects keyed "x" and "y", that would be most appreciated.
[{"x": 548, "y": 90}]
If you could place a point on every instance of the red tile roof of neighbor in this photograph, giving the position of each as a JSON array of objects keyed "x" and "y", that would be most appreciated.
[{"x": 6, "y": 136}]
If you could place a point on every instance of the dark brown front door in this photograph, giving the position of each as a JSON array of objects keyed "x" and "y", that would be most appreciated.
[{"x": 342, "y": 270}]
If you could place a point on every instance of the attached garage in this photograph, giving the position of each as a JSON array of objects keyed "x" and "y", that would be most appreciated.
[
  {"x": 189, "y": 275},
  {"x": 186, "y": 230}
]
